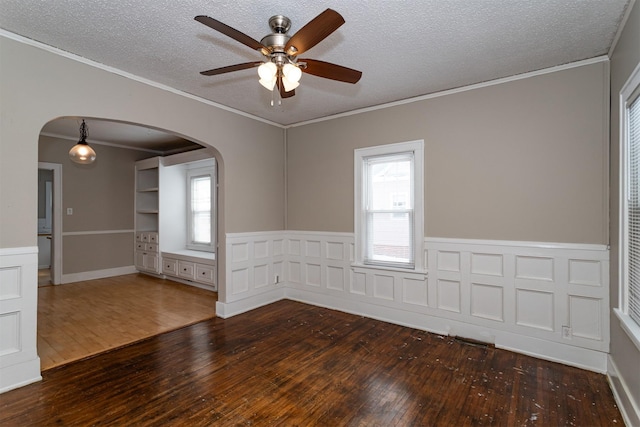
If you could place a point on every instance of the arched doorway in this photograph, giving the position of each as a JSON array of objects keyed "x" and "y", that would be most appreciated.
[{"x": 96, "y": 233}]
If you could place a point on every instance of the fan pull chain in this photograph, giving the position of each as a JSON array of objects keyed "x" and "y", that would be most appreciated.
[{"x": 273, "y": 96}]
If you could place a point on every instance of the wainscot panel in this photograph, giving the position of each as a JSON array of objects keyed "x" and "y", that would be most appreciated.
[
  {"x": 544, "y": 299},
  {"x": 19, "y": 361}
]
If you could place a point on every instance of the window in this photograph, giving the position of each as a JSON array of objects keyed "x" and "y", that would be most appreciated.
[
  {"x": 200, "y": 207},
  {"x": 389, "y": 205},
  {"x": 629, "y": 304}
]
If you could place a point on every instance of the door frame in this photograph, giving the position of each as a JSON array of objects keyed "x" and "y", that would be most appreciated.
[{"x": 56, "y": 223}]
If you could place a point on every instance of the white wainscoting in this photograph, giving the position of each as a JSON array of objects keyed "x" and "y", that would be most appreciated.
[
  {"x": 544, "y": 299},
  {"x": 19, "y": 361},
  {"x": 253, "y": 262}
]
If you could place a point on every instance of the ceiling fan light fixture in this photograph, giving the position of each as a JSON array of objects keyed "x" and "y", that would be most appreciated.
[
  {"x": 288, "y": 84},
  {"x": 292, "y": 72},
  {"x": 268, "y": 83},
  {"x": 267, "y": 71},
  {"x": 82, "y": 153}
]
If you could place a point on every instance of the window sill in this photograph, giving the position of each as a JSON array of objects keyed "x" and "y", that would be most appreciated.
[
  {"x": 406, "y": 271},
  {"x": 629, "y": 326}
]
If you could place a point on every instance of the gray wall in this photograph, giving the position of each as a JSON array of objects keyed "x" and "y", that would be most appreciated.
[
  {"x": 101, "y": 196},
  {"x": 523, "y": 160},
  {"x": 251, "y": 153},
  {"x": 625, "y": 58}
]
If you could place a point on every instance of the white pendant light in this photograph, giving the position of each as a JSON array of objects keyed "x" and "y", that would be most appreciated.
[{"x": 81, "y": 152}]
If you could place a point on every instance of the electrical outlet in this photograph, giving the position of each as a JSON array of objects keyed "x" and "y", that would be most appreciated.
[{"x": 566, "y": 332}]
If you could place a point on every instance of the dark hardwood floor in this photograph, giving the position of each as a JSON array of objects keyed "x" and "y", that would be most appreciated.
[{"x": 293, "y": 364}]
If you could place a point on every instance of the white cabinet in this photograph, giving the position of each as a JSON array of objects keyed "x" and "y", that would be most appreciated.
[
  {"x": 147, "y": 255},
  {"x": 192, "y": 266},
  {"x": 205, "y": 273},
  {"x": 186, "y": 270},
  {"x": 169, "y": 267}
]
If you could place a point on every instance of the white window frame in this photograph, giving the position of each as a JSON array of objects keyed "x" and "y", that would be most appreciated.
[
  {"x": 629, "y": 93},
  {"x": 196, "y": 172},
  {"x": 360, "y": 223}
]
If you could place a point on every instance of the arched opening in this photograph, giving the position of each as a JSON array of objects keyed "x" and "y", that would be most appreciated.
[{"x": 98, "y": 220}]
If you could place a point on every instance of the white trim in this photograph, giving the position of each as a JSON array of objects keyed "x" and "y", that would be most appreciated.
[
  {"x": 628, "y": 408},
  {"x": 418, "y": 196},
  {"x": 19, "y": 375},
  {"x": 229, "y": 309},
  {"x": 628, "y": 89},
  {"x": 18, "y": 38},
  {"x": 198, "y": 170},
  {"x": 113, "y": 70},
  {"x": 27, "y": 250},
  {"x": 98, "y": 274},
  {"x": 629, "y": 326},
  {"x": 404, "y": 271},
  {"x": 516, "y": 77},
  {"x": 56, "y": 232},
  {"x": 512, "y": 243},
  {"x": 95, "y": 232},
  {"x": 606, "y": 148}
]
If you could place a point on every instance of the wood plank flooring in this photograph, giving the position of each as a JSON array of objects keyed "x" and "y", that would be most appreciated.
[
  {"x": 81, "y": 319},
  {"x": 292, "y": 364}
]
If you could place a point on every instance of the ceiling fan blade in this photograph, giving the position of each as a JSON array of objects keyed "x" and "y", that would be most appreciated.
[
  {"x": 280, "y": 85},
  {"x": 331, "y": 71},
  {"x": 314, "y": 32},
  {"x": 231, "y": 32},
  {"x": 230, "y": 68}
]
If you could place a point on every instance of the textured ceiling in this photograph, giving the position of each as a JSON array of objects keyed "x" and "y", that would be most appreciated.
[{"x": 404, "y": 48}]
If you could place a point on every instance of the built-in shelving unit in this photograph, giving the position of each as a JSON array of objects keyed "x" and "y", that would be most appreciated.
[
  {"x": 147, "y": 194},
  {"x": 147, "y": 256},
  {"x": 161, "y": 221}
]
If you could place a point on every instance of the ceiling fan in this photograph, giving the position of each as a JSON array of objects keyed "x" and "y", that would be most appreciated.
[{"x": 282, "y": 67}]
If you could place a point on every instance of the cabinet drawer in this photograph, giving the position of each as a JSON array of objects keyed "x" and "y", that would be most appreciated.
[
  {"x": 204, "y": 273},
  {"x": 139, "y": 236},
  {"x": 144, "y": 237},
  {"x": 151, "y": 247},
  {"x": 186, "y": 270},
  {"x": 139, "y": 246},
  {"x": 153, "y": 237},
  {"x": 169, "y": 266}
]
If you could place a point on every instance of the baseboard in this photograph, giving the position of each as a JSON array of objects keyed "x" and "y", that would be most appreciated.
[
  {"x": 19, "y": 375},
  {"x": 229, "y": 309},
  {"x": 98, "y": 274},
  {"x": 556, "y": 352},
  {"x": 628, "y": 408}
]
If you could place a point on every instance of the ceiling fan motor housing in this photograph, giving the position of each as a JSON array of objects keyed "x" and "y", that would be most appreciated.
[
  {"x": 279, "y": 24},
  {"x": 277, "y": 40}
]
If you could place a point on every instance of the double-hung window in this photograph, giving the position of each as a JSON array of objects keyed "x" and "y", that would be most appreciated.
[
  {"x": 389, "y": 205},
  {"x": 200, "y": 207},
  {"x": 629, "y": 286}
]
